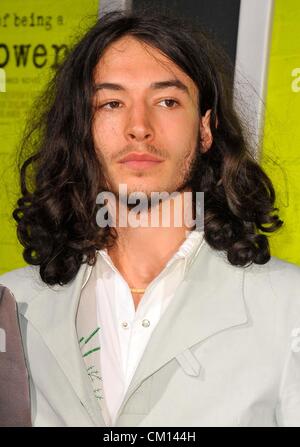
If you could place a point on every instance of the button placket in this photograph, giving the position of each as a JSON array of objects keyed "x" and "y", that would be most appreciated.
[{"x": 125, "y": 319}]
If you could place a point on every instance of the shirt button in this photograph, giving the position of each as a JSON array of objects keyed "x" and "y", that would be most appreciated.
[
  {"x": 125, "y": 324},
  {"x": 146, "y": 323}
]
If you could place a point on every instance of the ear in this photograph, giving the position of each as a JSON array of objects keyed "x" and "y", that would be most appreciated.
[{"x": 205, "y": 131}]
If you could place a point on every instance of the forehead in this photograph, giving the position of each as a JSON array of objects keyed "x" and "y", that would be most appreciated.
[{"x": 131, "y": 63}]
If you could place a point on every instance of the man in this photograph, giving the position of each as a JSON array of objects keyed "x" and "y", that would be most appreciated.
[{"x": 127, "y": 325}]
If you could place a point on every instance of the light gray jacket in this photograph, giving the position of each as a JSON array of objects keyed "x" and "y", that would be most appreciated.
[{"x": 225, "y": 353}]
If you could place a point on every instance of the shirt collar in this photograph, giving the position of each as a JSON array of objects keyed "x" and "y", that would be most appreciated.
[{"x": 188, "y": 250}]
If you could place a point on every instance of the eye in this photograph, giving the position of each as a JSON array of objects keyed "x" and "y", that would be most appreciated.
[
  {"x": 170, "y": 100},
  {"x": 108, "y": 103},
  {"x": 114, "y": 104}
]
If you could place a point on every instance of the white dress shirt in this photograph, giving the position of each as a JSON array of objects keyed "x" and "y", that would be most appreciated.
[{"x": 123, "y": 331}]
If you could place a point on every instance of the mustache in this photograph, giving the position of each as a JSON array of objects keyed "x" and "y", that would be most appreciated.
[{"x": 148, "y": 149}]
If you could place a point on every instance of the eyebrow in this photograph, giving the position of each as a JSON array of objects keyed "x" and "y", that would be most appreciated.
[{"x": 154, "y": 86}]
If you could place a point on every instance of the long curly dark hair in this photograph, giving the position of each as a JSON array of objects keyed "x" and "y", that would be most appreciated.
[{"x": 60, "y": 172}]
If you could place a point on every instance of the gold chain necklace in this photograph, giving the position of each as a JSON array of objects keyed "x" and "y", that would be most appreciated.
[{"x": 137, "y": 290}]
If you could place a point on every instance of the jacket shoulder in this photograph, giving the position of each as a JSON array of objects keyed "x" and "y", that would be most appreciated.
[
  {"x": 23, "y": 283},
  {"x": 277, "y": 284},
  {"x": 284, "y": 278},
  {"x": 279, "y": 265},
  {"x": 277, "y": 269}
]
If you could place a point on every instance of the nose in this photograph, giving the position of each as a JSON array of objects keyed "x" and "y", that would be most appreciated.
[{"x": 138, "y": 126}]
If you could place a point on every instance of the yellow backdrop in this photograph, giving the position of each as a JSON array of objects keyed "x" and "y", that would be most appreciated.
[{"x": 282, "y": 129}]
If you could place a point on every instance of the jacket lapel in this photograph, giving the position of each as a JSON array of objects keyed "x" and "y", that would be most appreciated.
[
  {"x": 53, "y": 313},
  {"x": 208, "y": 301}
]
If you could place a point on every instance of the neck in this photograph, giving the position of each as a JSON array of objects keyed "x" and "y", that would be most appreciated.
[{"x": 141, "y": 253}]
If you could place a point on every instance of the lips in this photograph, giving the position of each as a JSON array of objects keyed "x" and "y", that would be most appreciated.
[{"x": 140, "y": 157}]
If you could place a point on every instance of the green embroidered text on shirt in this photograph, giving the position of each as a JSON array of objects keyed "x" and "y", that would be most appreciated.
[{"x": 93, "y": 373}]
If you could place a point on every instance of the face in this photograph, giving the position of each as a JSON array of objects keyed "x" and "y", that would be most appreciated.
[{"x": 142, "y": 114}]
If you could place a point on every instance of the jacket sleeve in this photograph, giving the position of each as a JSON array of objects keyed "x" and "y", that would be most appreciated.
[{"x": 288, "y": 409}]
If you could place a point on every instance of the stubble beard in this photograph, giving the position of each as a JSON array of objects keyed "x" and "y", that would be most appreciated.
[{"x": 185, "y": 183}]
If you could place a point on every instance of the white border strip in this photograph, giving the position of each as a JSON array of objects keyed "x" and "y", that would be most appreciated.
[
  {"x": 111, "y": 5},
  {"x": 252, "y": 60}
]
